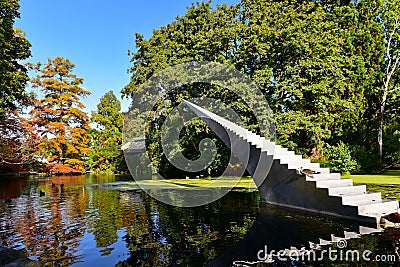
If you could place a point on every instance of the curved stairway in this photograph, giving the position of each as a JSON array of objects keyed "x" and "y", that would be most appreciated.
[{"x": 275, "y": 170}]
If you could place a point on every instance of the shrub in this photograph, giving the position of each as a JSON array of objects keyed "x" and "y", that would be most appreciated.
[
  {"x": 340, "y": 158},
  {"x": 368, "y": 160}
]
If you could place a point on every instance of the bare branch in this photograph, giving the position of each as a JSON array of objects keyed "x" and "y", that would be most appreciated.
[
  {"x": 394, "y": 90},
  {"x": 389, "y": 43},
  {"x": 394, "y": 67}
]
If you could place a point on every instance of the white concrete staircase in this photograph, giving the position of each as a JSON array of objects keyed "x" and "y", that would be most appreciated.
[
  {"x": 369, "y": 204},
  {"x": 325, "y": 187}
]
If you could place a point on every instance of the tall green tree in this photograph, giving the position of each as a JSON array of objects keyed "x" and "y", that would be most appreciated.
[
  {"x": 106, "y": 137},
  {"x": 59, "y": 116},
  {"x": 14, "y": 47},
  {"x": 371, "y": 33},
  {"x": 202, "y": 34},
  {"x": 17, "y": 140},
  {"x": 391, "y": 65},
  {"x": 294, "y": 52}
]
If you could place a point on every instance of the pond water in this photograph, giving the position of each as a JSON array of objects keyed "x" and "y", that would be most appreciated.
[{"x": 77, "y": 221}]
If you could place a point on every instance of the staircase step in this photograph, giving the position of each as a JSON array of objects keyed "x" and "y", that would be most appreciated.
[
  {"x": 269, "y": 148},
  {"x": 257, "y": 145},
  {"x": 323, "y": 242},
  {"x": 336, "y": 238},
  {"x": 254, "y": 141},
  {"x": 367, "y": 230},
  {"x": 348, "y": 235},
  {"x": 321, "y": 170},
  {"x": 269, "y": 143},
  {"x": 355, "y": 189},
  {"x": 279, "y": 151},
  {"x": 334, "y": 183},
  {"x": 326, "y": 176},
  {"x": 386, "y": 206},
  {"x": 297, "y": 164},
  {"x": 314, "y": 246},
  {"x": 356, "y": 200},
  {"x": 250, "y": 134},
  {"x": 313, "y": 165},
  {"x": 315, "y": 168},
  {"x": 288, "y": 158}
]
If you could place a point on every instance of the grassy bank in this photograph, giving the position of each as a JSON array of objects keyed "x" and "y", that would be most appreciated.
[
  {"x": 388, "y": 183},
  {"x": 245, "y": 183},
  {"x": 390, "y": 177}
]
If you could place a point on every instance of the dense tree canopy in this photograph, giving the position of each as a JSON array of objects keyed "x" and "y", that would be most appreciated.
[
  {"x": 17, "y": 140},
  {"x": 14, "y": 47},
  {"x": 322, "y": 66}
]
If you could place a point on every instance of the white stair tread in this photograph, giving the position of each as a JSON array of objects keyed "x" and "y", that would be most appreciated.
[
  {"x": 323, "y": 242},
  {"x": 361, "y": 199},
  {"x": 326, "y": 176},
  {"x": 367, "y": 230},
  {"x": 336, "y": 238},
  {"x": 376, "y": 208},
  {"x": 334, "y": 183},
  {"x": 348, "y": 235},
  {"x": 339, "y": 191}
]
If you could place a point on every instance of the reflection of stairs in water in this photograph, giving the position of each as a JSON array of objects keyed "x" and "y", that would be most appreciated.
[
  {"x": 292, "y": 231},
  {"x": 310, "y": 252},
  {"x": 363, "y": 230},
  {"x": 275, "y": 171}
]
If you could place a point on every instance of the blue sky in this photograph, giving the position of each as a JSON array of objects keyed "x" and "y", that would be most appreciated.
[{"x": 95, "y": 35}]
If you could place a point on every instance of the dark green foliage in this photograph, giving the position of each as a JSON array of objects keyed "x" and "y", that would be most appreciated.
[
  {"x": 392, "y": 141},
  {"x": 320, "y": 64},
  {"x": 340, "y": 158},
  {"x": 297, "y": 58},
  {"x": 368, "y": 161},
  {"x": 14, "y": 47},
  {"x": 106, "y": 139}
]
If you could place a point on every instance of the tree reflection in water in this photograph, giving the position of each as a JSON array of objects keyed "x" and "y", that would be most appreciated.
[{"x": 78, "y": 222}]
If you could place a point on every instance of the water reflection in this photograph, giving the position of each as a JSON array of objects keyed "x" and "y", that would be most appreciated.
[{"x": 78, "y": 222}]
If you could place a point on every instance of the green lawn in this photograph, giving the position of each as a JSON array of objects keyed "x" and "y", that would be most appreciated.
[
  {"x": 387, "y": 183},
  {"x": 245, "y": 183},
  {"x": 391, "y": 177}
]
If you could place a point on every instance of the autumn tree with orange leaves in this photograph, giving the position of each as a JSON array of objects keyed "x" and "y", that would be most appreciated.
[
  {"x": 59, "y": 117},
  {"x": 18, "y": 142}
]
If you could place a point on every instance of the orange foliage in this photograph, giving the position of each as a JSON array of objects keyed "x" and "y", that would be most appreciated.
[
  {"x": 18, "y": 142},
  {"x": 59, "y": 117},
  {"x": 58, "y": 168}
]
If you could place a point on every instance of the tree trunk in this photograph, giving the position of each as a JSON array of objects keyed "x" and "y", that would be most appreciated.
[
  {"x": 380, "y": 133},
  {"x": 381, "y": 118},
  {"x": 391, "y": 67}
]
